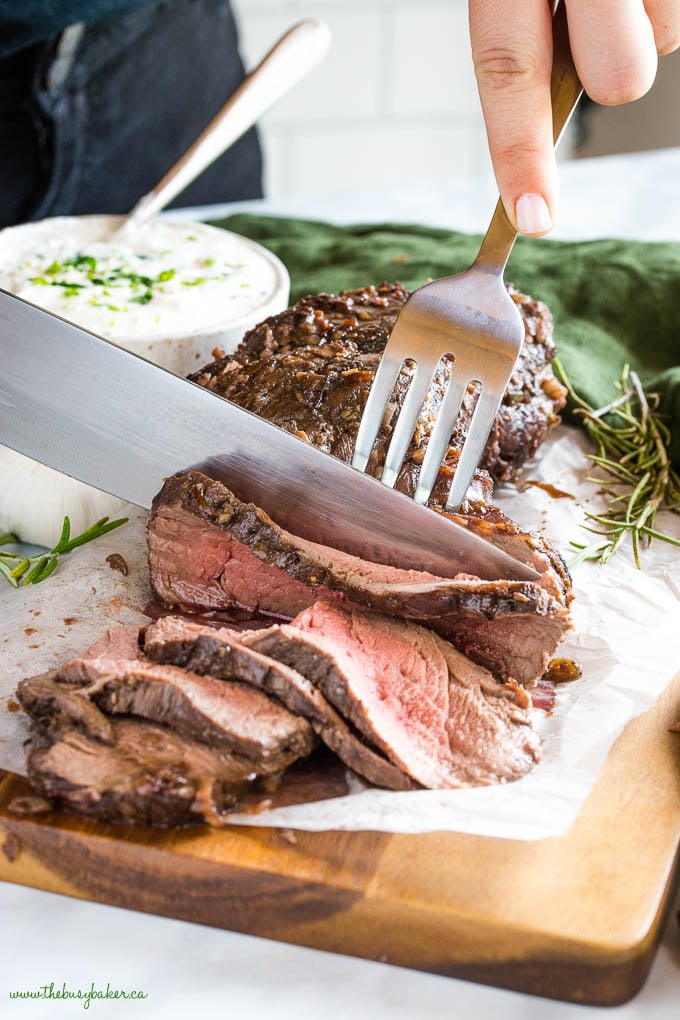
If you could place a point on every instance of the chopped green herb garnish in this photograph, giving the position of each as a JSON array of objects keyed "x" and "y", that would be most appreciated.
[
  {"x": 106, "y": 275},
  {"x": 81, "y": 261}
]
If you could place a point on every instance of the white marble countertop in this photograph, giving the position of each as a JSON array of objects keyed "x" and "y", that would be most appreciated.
[{"x": 187, "y": 970}]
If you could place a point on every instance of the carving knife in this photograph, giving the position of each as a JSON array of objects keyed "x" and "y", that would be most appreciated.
[{"x": 84, "y": 406}]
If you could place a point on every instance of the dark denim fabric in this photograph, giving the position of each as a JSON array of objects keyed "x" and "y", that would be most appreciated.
[
  {"x": 26, "y": 22},
  {"x": 90, "y": 121}
]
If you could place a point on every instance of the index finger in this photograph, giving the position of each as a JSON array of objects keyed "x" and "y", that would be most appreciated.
[{"x": 512, "y": 52}]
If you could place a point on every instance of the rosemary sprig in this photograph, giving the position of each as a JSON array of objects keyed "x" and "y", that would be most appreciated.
[
  {"x": 17, "y": 569},
  {"x": 635, "y": 471}
]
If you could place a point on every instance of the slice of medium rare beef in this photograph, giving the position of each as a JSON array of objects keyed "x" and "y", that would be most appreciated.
[
  {"x": 55, "y": 706},
  {"x": 120, "y": 679},
  {"x": 514, "y": 644},
  {"x": 220, "y": 652},
  {"x": 145, "y": 773},
  {"x": 208, "y": 550},
  {"x": 441, "y": 718},
  {"x": 310, "y": 368}
]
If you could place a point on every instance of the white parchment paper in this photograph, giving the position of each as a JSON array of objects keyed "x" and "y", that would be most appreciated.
[{"x": 626, "y": 639}]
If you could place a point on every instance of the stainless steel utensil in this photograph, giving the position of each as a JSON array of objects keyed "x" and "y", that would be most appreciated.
[
  {"x": 470, "y": 317},
  {"x": 116, "y": 421},
  {"x": 290, "y": 59}
]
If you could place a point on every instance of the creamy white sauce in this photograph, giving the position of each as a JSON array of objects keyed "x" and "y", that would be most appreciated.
[{"x": 164, "y": 279}]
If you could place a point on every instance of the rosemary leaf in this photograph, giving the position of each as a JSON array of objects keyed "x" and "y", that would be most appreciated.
[
  {"x": 32, "y": 577},
  {"x": 20, "y": 569},
  {"x": 7, "y": 574},
  {"x": 48, "y": 568},
  {"x": 65, "y": 535},
  {"x": 635, "y": 474},
  {"x": 658, "y": 534},
  {"x": 15, "y": 567},
  {"x": 102, "y": 527}
]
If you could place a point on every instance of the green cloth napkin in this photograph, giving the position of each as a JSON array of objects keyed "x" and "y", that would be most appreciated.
[{"x": 613, "y": 301}]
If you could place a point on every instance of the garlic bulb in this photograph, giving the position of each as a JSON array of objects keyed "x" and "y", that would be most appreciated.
[{"x": 34, "y": 500}]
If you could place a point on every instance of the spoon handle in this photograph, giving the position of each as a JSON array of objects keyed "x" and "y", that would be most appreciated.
[{"x": 290, "y": 59}]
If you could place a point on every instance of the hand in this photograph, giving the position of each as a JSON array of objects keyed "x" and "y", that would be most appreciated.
[{"x": 614, "y": 44}]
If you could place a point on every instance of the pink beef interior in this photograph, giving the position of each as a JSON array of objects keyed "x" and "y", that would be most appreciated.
[
  {"x": 443, "y": 719},
  {"x": 399, "y": 678},
  {"x": 196, "y": 563},
  {"x": 239, "y": 709}
]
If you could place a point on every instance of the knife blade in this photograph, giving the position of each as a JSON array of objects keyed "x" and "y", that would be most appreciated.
[{"x": 112, "y": 419}]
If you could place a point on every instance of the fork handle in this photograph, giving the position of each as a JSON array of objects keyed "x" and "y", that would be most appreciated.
[{"x": 565, "y": 92}]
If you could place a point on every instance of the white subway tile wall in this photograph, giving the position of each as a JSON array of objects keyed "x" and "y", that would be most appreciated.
[{"x": 394, "y": 103}]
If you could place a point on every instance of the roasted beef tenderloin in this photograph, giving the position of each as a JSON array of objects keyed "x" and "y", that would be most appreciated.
[
  {"x": 144, "y": 773},
  {"x": 310, "y": 368},
  {"x": 175, "y": 724},
  {"x": 119, "y": 737},
  {"x": 208, "y": 550},
  {"x": 55, "y": 706},
  {"x": 235, "y": 716},
  {"x": 441, "y": 718},
  {"x": 220, "y": 652}
]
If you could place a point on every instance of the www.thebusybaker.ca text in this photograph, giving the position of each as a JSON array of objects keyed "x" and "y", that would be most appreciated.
[{"x": 86, "y": 997}]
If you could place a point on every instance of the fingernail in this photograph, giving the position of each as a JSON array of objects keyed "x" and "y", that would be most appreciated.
[{"x": 532, "y": 214}]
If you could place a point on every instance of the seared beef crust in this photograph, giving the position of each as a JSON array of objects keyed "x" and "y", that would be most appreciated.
[{"x": 310, "y": 368}]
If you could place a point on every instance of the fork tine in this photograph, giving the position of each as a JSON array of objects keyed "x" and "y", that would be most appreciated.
[
  {"x": 473, "y": 447},
  {"x": 407, "y": 421},
  {"x": 379, "y": 395},
  {"x": 441, "y": 434}
]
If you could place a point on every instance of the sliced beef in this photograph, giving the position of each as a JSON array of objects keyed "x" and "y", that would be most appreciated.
[
  {"x": 220, "y": 652},
  {"x": 442, "y": 719},
  {"x": 145, "y": 773},
  {"x": 516, "y": 643},
  {"x": 310, "y": 368},
  {"x": 208, "y": 550},
  {"x": 235, "y": 716},
  {"x": 174, "y": 724},
  {"x": 56, "y": 706}
]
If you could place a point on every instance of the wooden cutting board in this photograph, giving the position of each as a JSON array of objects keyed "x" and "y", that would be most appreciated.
[{"x": 576, "y": 918}]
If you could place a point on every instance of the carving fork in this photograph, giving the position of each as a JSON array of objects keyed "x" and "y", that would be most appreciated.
[{"x": 470, "y": 317}]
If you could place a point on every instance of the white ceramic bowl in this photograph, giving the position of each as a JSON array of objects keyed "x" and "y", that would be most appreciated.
[
  {"x": 34, "y": 499},
  {"x": 179, "y": 347}
]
